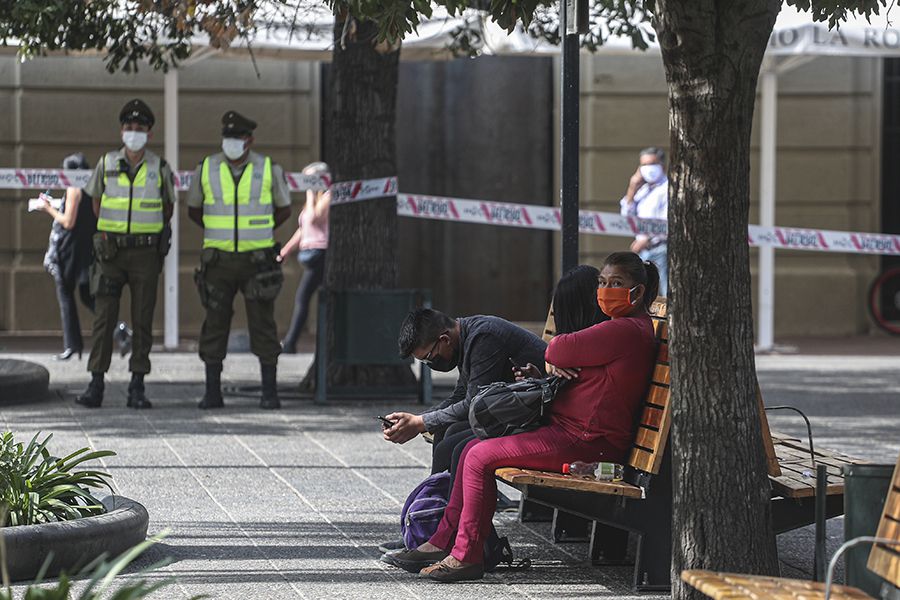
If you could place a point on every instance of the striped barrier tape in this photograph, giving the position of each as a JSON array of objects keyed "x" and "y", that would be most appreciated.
[
  {"x": 501, "y": 213},
  {"x": 603, "y": 223},
  {"x": 57, "y": 179}
]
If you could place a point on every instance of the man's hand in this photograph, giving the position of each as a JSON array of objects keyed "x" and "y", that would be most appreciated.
[
  {"x": 568, "y": 374},
  {"x": 527, "y": 371},
  {"x": 634, "y": 184},
  {"x": 406, "y": 427},
  {"x": 639, "y": 244}
]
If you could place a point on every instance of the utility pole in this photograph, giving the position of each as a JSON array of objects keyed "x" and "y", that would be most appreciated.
[{"x": 572, "y": 17}]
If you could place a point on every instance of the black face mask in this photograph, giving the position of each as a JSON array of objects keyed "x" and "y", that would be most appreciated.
[{"x": 439, "y": 363}]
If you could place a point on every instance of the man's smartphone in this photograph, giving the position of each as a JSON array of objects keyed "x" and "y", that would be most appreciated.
[{"x": 385, "y": 423}]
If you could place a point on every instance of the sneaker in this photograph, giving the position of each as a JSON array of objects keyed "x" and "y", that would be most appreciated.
[{"x": 391, "y": 546}]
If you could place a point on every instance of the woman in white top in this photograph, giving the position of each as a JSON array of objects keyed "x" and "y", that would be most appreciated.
[{"x": 311, "y": 239}]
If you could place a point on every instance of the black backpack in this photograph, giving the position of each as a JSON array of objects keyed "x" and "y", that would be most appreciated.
[{"x": 504, "y": 408}]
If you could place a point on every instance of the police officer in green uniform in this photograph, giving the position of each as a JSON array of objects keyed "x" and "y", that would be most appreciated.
[
  {"x": 134, "y": 195},
  {"x": 239, "y": 197}
]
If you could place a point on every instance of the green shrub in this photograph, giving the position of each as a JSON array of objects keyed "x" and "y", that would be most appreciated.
[
  {"x": 101, "y": 574},
  {"x": 36, "y": 487}
]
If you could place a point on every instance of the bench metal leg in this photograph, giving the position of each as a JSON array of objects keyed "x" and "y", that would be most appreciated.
[
  {"x": 653, "y": 564},
  {"x": 609, "y": 545},
  {"x": 321, "y": 395},
  {"x": 570, "y": 528},
  {"x": 532, "y": 512}
]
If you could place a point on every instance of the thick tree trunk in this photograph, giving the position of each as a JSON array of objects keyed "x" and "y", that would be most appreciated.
[
  {"x": 360, "y": 143},
  {"x": 712, "y": 52}
]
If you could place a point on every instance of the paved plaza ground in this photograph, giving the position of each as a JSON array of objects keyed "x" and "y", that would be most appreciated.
[{"x": 292, "y": 504}]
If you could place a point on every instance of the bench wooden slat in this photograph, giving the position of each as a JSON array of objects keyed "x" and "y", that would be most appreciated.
[
  {"x": 661, "y": 374},
  {"x": 516, "y": 476},
  {"x": 732, "y": 586},
  {"x": 768, "y": 444},
  {"x": 885, "y": 560},
  {"x": 641, "y": 460},
  {"x": 652, "y": 417},
  {"x": 646, "y": 438},
  {"x": 663, "y": 355}
]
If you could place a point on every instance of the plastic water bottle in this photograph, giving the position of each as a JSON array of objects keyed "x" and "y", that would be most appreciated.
[{"x": 601, "y": 471}]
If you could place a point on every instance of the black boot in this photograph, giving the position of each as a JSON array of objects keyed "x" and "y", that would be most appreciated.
[
  {"x": 93, "y": 395},
  {"x": 269, "y": 387},
  {"x": 212, "y": 398},
  {"x": 136, "y": 396}
]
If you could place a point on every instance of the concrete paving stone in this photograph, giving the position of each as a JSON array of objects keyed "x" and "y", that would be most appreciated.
[{"x": 292, "y": 503}]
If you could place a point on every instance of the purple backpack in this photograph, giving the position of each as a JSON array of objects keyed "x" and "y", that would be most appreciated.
[{"x": 424, "y": 509}]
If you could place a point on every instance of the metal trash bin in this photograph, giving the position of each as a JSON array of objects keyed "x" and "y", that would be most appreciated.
[{"x": 865, "y": 491}]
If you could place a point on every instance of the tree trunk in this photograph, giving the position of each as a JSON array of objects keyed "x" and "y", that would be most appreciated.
[
  {"x": 712, "y": 52},
  {"x": 360, "y": 143}
]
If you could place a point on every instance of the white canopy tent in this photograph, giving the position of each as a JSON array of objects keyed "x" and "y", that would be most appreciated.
[{"x": 795, "y": 40}]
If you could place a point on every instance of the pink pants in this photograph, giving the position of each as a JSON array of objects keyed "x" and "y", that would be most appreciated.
[{"x": 467, "y": 518}]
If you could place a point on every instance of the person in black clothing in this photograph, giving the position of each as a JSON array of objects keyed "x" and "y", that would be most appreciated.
[
  {"x": 483, "y": 348},
  {"x": 69, "y": 255}
]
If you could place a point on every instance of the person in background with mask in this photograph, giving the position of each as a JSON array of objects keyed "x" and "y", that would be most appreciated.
[
  {"x": 647, "y": 197},
  {"x": 239, "y": 197},
  {"x": 69, "y": 257},
  {"x": 483, "y": 348},
  {"x": 133, "y": 193}
]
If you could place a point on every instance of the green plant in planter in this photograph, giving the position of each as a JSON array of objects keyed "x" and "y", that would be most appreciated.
[
  {"x": 36, "y": 487},
  {"x": 101, "y": 574}
]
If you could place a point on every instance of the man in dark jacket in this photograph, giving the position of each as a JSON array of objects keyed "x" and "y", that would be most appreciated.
[{"x": 483, "y": 348}]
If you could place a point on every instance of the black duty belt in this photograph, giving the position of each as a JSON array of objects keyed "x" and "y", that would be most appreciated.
[{"x": 136, "y": 241}]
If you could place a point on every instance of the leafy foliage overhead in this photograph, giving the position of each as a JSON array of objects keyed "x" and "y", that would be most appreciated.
[{"x": 162, "y": 32}]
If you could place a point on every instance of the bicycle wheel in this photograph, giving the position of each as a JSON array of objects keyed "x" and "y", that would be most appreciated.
[{"x": 885, "y": 293}]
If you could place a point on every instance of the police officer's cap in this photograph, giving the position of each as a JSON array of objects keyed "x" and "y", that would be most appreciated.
[
  {"x": 137, "y": 111},
  {"x": 234, "y": 124}
]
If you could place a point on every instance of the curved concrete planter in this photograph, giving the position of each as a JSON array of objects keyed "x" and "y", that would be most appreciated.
[{"x": 74, "y": 543}]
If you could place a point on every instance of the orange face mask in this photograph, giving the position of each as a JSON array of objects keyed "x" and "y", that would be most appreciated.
[{"x": 615, "y": 302}]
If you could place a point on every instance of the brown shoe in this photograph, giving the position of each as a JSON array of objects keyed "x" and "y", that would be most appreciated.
[
  {"x": 444, "y": 573},
  {"x": 413, "y": 560}
]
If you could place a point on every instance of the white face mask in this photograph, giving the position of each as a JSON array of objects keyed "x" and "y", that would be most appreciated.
[
  {"x": 134, "y": 140},
  {"x": 651, "y": 173},
  {"x": 233, "y": 148}
]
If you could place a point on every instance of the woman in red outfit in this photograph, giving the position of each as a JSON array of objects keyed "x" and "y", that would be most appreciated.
[{"x": 592, "y": 417}]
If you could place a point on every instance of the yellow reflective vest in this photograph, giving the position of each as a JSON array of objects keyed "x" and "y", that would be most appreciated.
[
  {"x": 131, "y": 205},
  {"x": 238, "y": 216}
]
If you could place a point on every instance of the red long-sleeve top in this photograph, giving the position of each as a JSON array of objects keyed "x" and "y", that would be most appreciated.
[{"x": 616, "y": 358}]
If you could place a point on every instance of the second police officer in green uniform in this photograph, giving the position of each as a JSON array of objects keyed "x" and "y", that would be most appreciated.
[
  {"x": 134, "y": 195},
  {"x": 239, "y": 197}
]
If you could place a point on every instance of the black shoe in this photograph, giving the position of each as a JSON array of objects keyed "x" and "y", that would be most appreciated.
[
  {"x": 287, "y": 348},
  {"x": 212, "y": 398},
  {"x": 137, "y": 399},
  {"x": 392, "y": 545},
  {"x": 93, "y": 395},
  {"x": 270, "y": 398},
  {"x": 67, "y": 354},
  {"x": 413, "y": 560},
  {"x": 136, "y": 396}
]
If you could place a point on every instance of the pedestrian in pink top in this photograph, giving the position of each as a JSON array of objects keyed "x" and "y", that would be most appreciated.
[
  {"x": 311, "y": 239},
  {"x": 592, "y": 418}
]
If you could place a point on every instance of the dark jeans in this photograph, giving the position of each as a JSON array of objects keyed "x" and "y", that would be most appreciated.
[
  {"x": 313, "y": 275},
  {"x": 445, "y": 453},
  {"x": 68, "y": 312}
]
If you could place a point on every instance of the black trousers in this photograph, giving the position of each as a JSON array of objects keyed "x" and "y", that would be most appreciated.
[
  {"x": 68, "y": 311},
  {"x": 313, "y": 275}
]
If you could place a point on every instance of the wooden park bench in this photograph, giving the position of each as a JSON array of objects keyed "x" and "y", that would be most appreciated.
[
  {"x": 641, "y": 504},
  {"x": 884, "y": 560}
]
